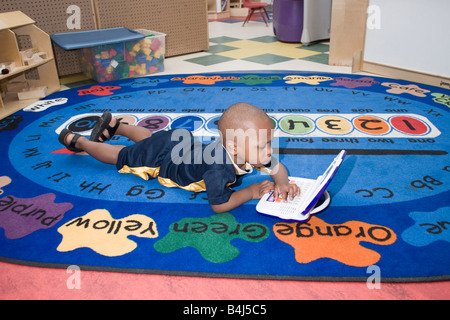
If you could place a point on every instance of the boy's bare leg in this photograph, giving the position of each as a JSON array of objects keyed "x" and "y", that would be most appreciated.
[
  {"x": 134, "y": 133},
  {"x": 103, "y": 152},
  {"x": 108, "y": 153}
]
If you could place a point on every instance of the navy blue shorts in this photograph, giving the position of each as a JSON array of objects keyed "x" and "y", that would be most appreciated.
[
  {"x": 152, "y": 158},
  {"x": 151, "y": 152}
]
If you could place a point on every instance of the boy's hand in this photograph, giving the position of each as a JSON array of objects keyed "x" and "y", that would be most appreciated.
[
  {"x": 285, "y": 190},
  {"x": 259, "y": 189}
]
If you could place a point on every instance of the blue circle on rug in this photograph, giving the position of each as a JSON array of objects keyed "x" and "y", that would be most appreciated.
[
  {"x": 190, "y": 123},
  {"x": 390, "y": 126}
]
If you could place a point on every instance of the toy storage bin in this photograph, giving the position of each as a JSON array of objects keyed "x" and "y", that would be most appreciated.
[
  {"x": 302, "y": 21},
  {"x": 288, "y": 20},
  {"x": 127, "y": 59}
]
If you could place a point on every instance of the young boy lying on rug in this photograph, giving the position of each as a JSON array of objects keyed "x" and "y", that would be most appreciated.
[{"x": 246, "y": 136}]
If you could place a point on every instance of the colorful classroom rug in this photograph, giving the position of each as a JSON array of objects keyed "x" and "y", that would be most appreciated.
[{"x": 389, "y": 217}]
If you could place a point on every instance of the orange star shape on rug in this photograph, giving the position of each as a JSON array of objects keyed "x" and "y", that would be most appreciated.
[
  {"x": 207, "y": 80},
  {"x": 341, "y": 242}
]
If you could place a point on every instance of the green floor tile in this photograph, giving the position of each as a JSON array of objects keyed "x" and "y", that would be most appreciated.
[
  {"x": 81, "y": 83},
  {"x": 220, "y": 48},
  {"x": 209, "y": 60},
  {"x": 267, "y": 59},
  {"x": 265, "y": 39},
  {"x": 318, "y": 58},
  {"x": 223, "y": 39},
  {"x": 320, "y": 47}
]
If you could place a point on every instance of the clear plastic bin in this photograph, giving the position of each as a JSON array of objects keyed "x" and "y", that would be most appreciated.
[{"x": 125, "y": 59}]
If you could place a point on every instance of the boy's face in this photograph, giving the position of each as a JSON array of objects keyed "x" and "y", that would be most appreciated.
[{"x": 254, "y": 145}]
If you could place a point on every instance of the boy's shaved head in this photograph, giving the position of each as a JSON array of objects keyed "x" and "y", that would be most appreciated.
[
  {"x": 247, "y": 133},
  {"x": 241, "y": 115}
]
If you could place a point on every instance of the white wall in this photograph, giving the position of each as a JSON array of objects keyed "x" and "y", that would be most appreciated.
[{"x": 411, "y": 34}]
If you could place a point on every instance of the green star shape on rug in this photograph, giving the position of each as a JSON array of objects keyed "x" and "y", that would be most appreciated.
[
  {"x": 256, "y": 79},
  {"x": 211, "y": 236}
]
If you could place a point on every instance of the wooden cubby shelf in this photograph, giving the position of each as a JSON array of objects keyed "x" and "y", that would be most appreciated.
[{"x": 14, "y": 25}]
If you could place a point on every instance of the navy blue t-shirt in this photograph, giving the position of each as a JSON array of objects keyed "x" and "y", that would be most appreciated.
[{"x": 178, "y": 159}]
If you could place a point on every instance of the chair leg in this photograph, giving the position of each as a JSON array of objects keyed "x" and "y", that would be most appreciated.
[
  {"x": 268, "y": 18},
  {"x": 250, "y": 13},
  {"x": 262, "y": 15}
]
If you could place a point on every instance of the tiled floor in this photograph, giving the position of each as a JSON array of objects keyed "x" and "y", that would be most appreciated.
[{"x": 234, "y": 47}]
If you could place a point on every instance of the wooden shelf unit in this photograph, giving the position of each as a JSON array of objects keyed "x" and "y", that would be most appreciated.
[
  {"x": 13, "y": 25},
  {"x": 237, "y": 8}
]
